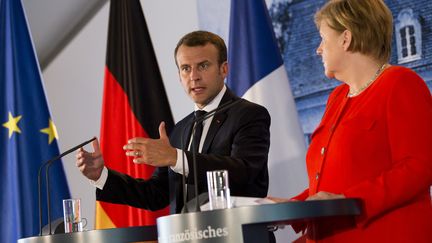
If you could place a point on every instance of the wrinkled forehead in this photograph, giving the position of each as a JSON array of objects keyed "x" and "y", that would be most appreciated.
[{"x": 192, "y": 55}]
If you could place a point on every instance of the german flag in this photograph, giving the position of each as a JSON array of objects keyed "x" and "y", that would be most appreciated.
[{"x": 134, "y": 103}]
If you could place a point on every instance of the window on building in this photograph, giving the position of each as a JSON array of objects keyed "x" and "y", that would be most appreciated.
[{"x": 408, "y": 36}]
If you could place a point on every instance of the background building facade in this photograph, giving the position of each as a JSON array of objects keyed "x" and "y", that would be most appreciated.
[{"x": 298, "y": 39}]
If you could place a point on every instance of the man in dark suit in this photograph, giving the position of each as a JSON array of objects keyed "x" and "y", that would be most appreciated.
[{"x": 236, "y": 139}]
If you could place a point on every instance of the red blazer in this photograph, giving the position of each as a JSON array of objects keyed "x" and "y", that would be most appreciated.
[{"x": 377, "y": 146}]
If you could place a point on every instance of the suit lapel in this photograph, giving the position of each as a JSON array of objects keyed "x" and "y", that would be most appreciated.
[
  {"x": 187, "y": 132},
  {"x": 217, "y": 121}
]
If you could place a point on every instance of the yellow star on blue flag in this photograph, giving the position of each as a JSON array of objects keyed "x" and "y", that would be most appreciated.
[
  {"x": 12, "y": 124},
  {"x": 24, "y": 147},
  {"x": 51, "y": 130}
]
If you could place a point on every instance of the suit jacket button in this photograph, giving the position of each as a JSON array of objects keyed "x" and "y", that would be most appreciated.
[
  {"x": 322, "y": 150},
  {"x": 317, "y": 176}
]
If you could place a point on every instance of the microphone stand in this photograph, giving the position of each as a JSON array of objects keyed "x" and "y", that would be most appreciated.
[
  {"x": 209, "y": 114},
  {"x": 195, "y": 173},
  {"x": 48, "y": 164},
  {"x": 185, "y": 207}
]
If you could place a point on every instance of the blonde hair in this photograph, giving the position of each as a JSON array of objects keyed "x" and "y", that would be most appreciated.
[{"x": 369, "y": 21}]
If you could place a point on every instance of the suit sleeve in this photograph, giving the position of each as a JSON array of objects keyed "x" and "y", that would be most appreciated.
[
  {"x": 409, "y": 119},
  {"x": 152, "y": 194},
  {"x": 330, "y": 101},
  {"x": 244, "y": 152}
]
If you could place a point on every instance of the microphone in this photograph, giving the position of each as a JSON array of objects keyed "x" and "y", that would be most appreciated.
[
  {"x": 220, "y": 108},
  {"x": 209, "y": 114},
  {"x": 48, "y": 164}
]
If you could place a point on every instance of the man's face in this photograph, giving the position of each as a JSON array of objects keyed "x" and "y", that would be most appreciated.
[{"x": 201, "y": 75}]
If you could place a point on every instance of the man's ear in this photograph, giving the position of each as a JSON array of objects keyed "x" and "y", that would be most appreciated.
[
  {"x": 224, "y": 68},
  {"x": 347, "y": 38}
]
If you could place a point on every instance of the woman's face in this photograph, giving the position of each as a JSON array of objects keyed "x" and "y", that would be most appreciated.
[{"x": 331, "y": 49}]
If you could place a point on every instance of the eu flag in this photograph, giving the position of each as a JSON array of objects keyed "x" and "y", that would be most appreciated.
[{"x": 28, "y": 136}]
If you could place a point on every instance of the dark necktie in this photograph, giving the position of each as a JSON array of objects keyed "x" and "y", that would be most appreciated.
[
  {"x": 195, "y": 147},
  {"x": 198, "y": 130}
]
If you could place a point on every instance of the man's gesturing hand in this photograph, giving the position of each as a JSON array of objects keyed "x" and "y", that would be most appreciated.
[{"x": 154, "y": 152}]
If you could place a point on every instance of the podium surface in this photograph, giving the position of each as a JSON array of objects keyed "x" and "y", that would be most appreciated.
[
  {"x": 132, "y": 234},
  {"x": 241, "y": 224},
  {"x": 249, "y": 223}
]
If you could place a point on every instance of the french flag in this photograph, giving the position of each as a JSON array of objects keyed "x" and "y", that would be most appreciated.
[{"x": 257, "y": 73}]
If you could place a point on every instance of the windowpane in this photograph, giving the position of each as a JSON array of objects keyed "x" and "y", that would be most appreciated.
[
  {"x": 412, "y": 40},
  {"x": 402, "y": 32},
  {"x": 411, "y": 30},
  {"x": 408, "y": 36},
  {"x": 413, "y": 50},
  {"x": 404, "y": 52}
]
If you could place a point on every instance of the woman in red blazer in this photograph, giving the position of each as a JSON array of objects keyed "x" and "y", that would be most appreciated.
[{"x": 375, "y": 139}]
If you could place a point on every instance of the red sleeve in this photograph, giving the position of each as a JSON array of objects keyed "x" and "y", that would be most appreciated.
[
  {"x": 409, "y": 124},
  {"x": 302, "y": 196},
  {"x": 330, "y": 101}
]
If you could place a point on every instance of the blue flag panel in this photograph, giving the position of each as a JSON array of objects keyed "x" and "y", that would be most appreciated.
[
  {"x": 28, "y": 136},
  {"x": 253, "y": 51}
]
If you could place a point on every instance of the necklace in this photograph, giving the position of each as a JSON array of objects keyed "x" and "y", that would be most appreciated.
[{"x": 355, "y": 93}]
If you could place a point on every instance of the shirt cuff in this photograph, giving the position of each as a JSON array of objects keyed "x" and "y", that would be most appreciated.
[
  {"x": 100, "y": 183},
  {"x": 178, "y": 168}
]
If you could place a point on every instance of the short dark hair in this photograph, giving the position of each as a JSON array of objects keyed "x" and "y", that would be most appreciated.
[{"x": 201, "y": 38}]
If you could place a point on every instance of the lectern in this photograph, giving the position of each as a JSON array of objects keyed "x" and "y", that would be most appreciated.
[
  {"x": 249, "y": 223},
  {"x": 142, "y": 234},
  {"x": 241, "y": 224}
]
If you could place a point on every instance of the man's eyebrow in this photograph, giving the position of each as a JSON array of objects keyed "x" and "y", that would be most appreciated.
[{"x": 204, "y": 62}]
